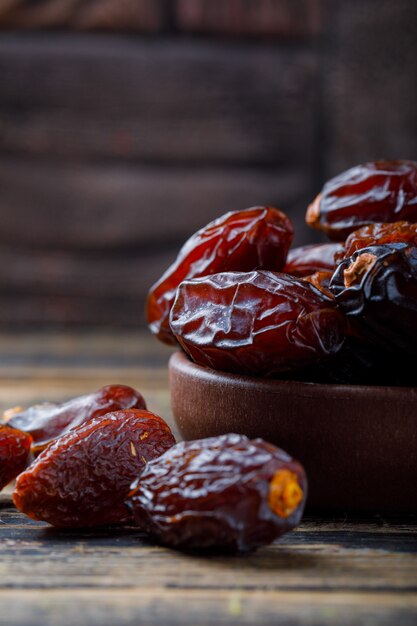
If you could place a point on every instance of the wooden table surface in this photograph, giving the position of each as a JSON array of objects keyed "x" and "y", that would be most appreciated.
[{"x": 333, "y": 569}]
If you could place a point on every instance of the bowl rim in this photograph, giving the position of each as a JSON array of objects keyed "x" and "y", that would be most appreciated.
[{"x": 181, "y": 362}]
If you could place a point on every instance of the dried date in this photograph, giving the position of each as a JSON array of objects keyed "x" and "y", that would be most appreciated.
[
  {"x": 255, "y": 238},
  {"x": 258, "y": 323},
  {"x": 45, "y": 422},
  {"x": 380, "y": 191},
  {"x": 321, "y": 280},
  {"x": 378, "y": 234},
  {"x": 306, "y": 260},
  {"x": 377, "y": 289},
  {"x": 14, "y": 453},
  {"x": 228, "y": 493},
  {"x": 83, "y": 478}
]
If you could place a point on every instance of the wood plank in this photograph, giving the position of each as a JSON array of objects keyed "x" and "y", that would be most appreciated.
[
  {"x": 83, "y": 245},
  {"x": 87, "y": 275},
  {"x": 48, "y": 311},
  {"x": 115, "y": 15},
  {"x": 271, "y": 18},
  {"x": 171, "y": 100},
  {"x": 177, "y": 607},
  {"x": 42, "y": 559},
  {"x": 35, "y": 556},
  {"x": 327, "y": 571},
  {"x": 369, "y": 83},
  {"x": 333, "y": 569},
  {"x": 131, "y": 208},
  {"x": 80, "y": 351}
]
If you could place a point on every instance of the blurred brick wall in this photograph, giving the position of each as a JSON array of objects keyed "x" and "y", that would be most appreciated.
[{"x": 127, "y": 124}]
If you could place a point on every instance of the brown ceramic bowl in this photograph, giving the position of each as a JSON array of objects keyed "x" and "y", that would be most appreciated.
[{"x": 358, "y": 444}]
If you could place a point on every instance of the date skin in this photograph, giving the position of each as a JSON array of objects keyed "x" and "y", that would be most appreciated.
[
  {"x": 83, "y": 478},
  {"x": 321, "y": 280},
  {"x": 45, "y": 422},
  {"x": 306, "y": 260},
  {"x": 14, "y": 453},
  {"x": 377, "y": 289},
  {"x": 380, "y": 191},
  {"x": 378, "y": 234},
  {"x": 258, "y": 237},
  {"x": 224, "y": 493},
  {"x": 257, "y": 323}
]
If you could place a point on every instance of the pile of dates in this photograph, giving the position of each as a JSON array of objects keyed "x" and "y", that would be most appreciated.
[
  {"x": 104, "y": 459},
  {"x": 239, "y": 299},
  {"x": 236, "y": 299}
]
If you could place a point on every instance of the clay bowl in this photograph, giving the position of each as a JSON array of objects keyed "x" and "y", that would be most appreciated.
[{"x": 358, "y": 444}]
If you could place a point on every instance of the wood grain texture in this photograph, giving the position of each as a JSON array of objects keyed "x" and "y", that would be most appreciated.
[
  {"x": 115, "y": 151},
  {"x": 369, "y": 83},
  {"x": 142, "y": 16},
  {"x": 130, "y": 210},
  {"x": 273, "y": 18},
  {"x": 180, "y": 608},
  {"x": 331, "y": 570},
  {"x": 83, "y": 245},
  {"x": 327, "y": 571},
  {"x": 167, "y": 100}
]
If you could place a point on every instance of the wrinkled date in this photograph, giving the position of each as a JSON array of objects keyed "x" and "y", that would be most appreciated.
[
  {"x": 378, "y": 234},
  {"x": 45, "y": 422},
  {"x": 255, "y": 238},
  {"x": 257, "y": 323},
  {"x": 83, "y": 478},
  {"x": 307, "y": 260},
  {"x": 224, "y": 492},
  {"x": 382, "y": 191},
  {"x": 321, "y": 280},
  {"x": 377, "y": 289},
  {"x": 14, "y": 453}
]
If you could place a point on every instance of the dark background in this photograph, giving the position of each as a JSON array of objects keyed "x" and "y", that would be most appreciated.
[{"x": 126, "y": 125}]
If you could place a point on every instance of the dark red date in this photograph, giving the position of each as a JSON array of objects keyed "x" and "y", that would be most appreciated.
[
  {"x": 377, "y": 289},
  {"x": 258, "y": 323},
  {"x": 381, "y": 191},
  {"x": 45, "y": 422},
  {"x": 227, "y": 493},
  {"x": 321, "y": 280},
  {"x": 14, "y": 453},
  {"x": 307, "y": 260},
  {"x": 378, "y": 234},
  {"x": 83, "y": 478},
  {"x": 255, "y": 238}
]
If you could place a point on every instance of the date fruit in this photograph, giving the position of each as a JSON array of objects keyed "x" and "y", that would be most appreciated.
[
  {"x": 307, "y": 260},
  {"x": 377, "y": 289},
  {"x": 227, "y": 493},
  {"x": 321, "y": 280},
  {"x": 246, "y": 240},
  {"x": 257, "y": 323},
  {"x": 82, "y": 479},
  {"x": 380, "y": 191},
  {"x": 45, "y": 422},
  {"x": 378, "y": 234},
  {"x": 14, "y": 453}
]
